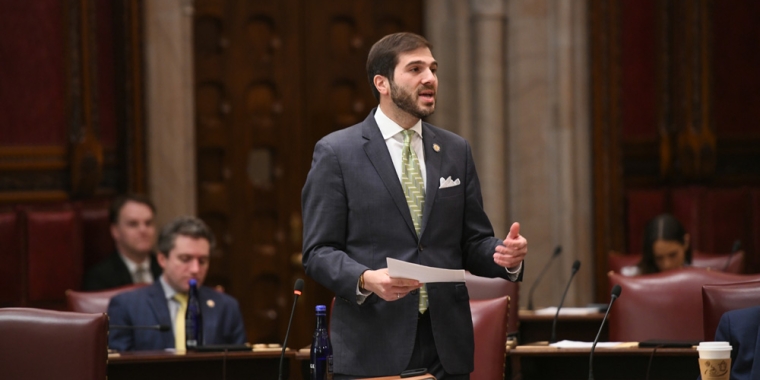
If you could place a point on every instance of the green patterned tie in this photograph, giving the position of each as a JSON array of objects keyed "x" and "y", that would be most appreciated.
[{"x": 414, "y": 190}]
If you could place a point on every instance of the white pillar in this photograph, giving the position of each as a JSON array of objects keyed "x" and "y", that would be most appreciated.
[{"x": 170, "y": 115}]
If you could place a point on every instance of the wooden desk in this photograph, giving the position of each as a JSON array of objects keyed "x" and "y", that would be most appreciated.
[
  {"x": 163, "y": 365},
  {"x": 548, "y": 363},
  {"x": 537, "y": 328}
]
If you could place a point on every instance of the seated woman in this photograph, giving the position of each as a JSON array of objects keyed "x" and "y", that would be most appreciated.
[{"x": 666, "y": 247}]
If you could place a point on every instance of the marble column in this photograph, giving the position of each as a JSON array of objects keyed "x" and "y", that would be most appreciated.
[
  {"x": 523, "y": 62},
  {"x": 170, "y": 109}
]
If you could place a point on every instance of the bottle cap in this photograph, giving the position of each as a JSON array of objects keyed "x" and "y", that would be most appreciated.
[{"x": 321, "y": 308}]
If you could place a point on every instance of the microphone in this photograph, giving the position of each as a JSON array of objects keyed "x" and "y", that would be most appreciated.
[
  {"x": 148, "y": 327},
  {"x": 297, "y": 289},
  {"x": 735, "y": 248},
  {"x": 615, "y": 294},
  {"x": 556, "y": 253},
  {"x": 576, "y": 266}
]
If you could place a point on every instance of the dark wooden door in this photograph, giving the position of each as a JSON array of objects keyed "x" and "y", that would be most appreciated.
[{"x": 271, "y": 78}]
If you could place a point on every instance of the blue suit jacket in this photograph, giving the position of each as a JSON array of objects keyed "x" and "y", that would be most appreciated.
[
  {"x": 741, "y": 329},
  {"x": 355, "y": 216},
  {"x": 222, "y": 323}
]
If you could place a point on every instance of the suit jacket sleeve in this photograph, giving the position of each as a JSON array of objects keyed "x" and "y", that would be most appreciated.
[
  {"x": 325, "y": 211},
  {"x": 235, "y": 331},
  {"x": 118, "y": 314},
  {"x": 478, "y": 241}
]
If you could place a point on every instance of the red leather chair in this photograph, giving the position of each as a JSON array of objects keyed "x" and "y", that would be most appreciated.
[
  {"x": 54, "y": 250},
  {"x": 720, "y": 261},
  {"x": 617, "y": 261},
  {"x": 664, "y": 305},
  {"x": 720, "y": 298},
  {"x": 724, "y": 262},
  {"x": 47, "y": 344},
  {"x": 97, "y": 242},
  {"x": 11, "y": 257},
  {"x": 486, "y": 288},
  {"x": 490, "y": 319},
  {"x": 94, "y": 302}
]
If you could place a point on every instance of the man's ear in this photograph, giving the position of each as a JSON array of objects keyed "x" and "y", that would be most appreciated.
[
  {"x": 686, "y": 241},
  {"x": 382, "y": 84},
  {"x": 161, "y": 257}
]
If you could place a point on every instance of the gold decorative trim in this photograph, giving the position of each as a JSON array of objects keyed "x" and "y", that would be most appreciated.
[{"x": 33, "y": 158}]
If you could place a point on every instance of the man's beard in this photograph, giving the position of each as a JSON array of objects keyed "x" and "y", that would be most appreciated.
[{"x": 405, "y": 101}]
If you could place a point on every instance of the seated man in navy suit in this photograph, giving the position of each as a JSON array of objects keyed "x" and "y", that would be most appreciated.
[
  {"x": 184, "y": 247},
  {"x": 741, "y": 329}
]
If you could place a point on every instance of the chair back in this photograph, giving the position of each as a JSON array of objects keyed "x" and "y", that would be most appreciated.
[
  {"x": 720, "y": 298},
  {"x": 616, "y": 261},
  {"x": 94, "y": 302},
  {"x": 489, "y": 322},
  {"x": 731, "y": 263},
  {"x": 48, "y": 344},
  {"x": 724, "y": 262},
  {"x": 486, "y": 288},
  {"x": 664, "y": 305}
]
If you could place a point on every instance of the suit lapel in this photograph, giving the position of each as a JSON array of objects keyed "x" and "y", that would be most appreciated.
[
  {"x": 433, "y": 167},
  {"x": 157, "y": 302},
  {"x": 121, "y": 270},
  {"x": 377, "y": 152}
]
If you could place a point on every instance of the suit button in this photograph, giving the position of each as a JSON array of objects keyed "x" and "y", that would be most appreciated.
[
  {"x": 413, "y": 292},
  {"x": 421, "y": 247}
]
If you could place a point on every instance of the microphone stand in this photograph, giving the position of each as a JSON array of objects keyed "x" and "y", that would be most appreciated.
[
  {"x": 556, "y": 253},
  {"x": 615, "y": 294},
  {"x": 297, "y": 291},
  {"x": 576, "y": 266}
]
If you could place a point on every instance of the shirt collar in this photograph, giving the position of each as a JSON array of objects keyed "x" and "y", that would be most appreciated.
[
  {"x": 132, "y": 266},
  {"x": 389, "y": 128},
  {"x": 169, "y": 292}
]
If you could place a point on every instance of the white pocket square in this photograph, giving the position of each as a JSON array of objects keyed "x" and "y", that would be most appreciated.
[{"x": 448, "y": 183}]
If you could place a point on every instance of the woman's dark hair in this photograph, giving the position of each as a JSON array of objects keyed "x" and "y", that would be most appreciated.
[
  {"x": 383, "y": 56},
  {"x": 665, "y": 227}
]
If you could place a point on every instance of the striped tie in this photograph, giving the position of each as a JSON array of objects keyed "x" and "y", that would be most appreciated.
[
  {"x": 414, "y": 190},
  {"x": 179, "y": 322}
]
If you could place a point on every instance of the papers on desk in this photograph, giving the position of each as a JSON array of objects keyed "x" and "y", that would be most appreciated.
[
  {"x": 567, "y": 311},
  {"x": 577, "y": 344},
  {"x": 421, "y": 273}
]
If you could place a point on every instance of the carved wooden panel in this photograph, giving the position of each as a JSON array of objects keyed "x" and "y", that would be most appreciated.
[{"x": 272, "y": 77}]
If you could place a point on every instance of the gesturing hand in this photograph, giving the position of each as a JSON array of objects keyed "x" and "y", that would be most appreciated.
[{"x": 513, "y": 251}]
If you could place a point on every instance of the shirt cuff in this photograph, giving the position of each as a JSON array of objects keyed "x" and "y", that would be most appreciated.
[
  {"x": 514, "y": 274},
  {"x": 361, "y": 296}
]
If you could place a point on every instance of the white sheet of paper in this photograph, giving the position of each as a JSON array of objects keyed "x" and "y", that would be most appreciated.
[{"x": 421, "y": 273}]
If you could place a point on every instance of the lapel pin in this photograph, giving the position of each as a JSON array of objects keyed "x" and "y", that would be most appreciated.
[
  {"x": 436, "y": 147},
  {"x": 210, "y": 303}
]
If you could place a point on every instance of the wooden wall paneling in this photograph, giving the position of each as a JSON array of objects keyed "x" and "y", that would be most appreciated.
[
  {"x": 642, "y": 206},
  {"x": 688, "y": 207},
  {"x": 727, "y": 218},
  {"x": 605, "y": 111},
  {"x": 86, "y": 150}
]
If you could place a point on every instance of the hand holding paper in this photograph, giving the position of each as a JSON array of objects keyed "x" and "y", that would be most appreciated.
[{"x": 421, "y": 273}]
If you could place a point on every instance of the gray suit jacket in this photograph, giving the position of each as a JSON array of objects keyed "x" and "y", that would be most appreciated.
[{"x": 355, "y": 216}]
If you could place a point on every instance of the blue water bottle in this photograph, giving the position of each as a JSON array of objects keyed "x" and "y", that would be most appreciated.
[
  {"x": 193, "y": 318},
  {"x": 321, "y": 361}
]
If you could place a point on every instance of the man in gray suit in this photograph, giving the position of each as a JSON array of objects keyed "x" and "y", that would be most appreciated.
[{"x": 394, "y": 186}]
